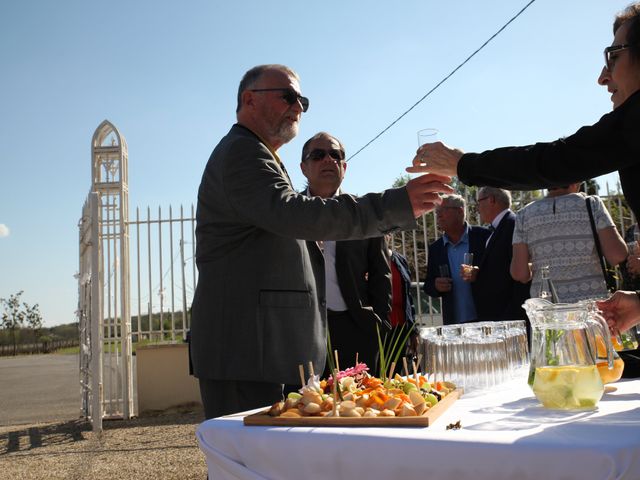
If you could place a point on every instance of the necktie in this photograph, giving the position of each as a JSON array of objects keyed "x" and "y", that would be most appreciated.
[{"x": 491, "y": 229}]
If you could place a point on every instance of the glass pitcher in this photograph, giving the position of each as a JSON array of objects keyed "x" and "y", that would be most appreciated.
[{"x": 563, "y": 372}]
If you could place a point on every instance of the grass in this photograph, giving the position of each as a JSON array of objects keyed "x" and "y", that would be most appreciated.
[
  {"x": 108, "y": 347},
  {"x": 68, "y": 350}
]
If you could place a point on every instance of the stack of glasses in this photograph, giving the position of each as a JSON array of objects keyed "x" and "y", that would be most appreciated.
[{"x": 475, "y": 355}]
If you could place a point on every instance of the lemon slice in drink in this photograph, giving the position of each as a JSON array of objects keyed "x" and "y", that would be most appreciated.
[{"x": 558, "y": 396}]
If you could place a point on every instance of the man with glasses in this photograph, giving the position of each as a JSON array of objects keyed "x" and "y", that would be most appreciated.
[
  {"x": 357, "y": 272},
  {"x": 498, "y": 296},
  {"x": 259, "y": 307},
  {"x": 446, "y": 256}
]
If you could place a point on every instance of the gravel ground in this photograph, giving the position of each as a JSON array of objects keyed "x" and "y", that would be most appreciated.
[{"x": 161, "y": 445}]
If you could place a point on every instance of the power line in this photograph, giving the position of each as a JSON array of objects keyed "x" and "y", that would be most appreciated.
[{"x": 444, "y": 79}]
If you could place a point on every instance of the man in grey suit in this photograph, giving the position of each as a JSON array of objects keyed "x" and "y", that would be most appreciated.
[
  {"x": 259, "y": 307},
  {"x": 357, "y": 272}
]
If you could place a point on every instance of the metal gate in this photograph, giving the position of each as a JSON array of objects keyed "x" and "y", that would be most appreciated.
[{"x": 103, "y": 279}]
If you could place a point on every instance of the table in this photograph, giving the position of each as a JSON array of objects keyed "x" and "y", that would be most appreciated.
[{"x": 505, "y": 434}]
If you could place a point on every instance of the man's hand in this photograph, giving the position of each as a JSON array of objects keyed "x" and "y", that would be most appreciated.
[
  {"x": 633, "y": 265},
  {"x": 436, "y": 158},
  {"x": 469, "y": 273},
  {"x": 443, "y": 284},
  {"x": 621, "y": 310},
  {"x": 424, "y": 192}
]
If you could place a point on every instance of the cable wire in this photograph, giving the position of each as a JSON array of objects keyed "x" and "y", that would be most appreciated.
[{"x": 443, "y": 80}]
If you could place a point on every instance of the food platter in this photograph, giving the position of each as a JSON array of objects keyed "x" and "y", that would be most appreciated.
[{"x": 426, "y": 419}]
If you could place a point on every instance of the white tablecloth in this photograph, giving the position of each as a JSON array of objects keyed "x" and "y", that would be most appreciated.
[{"x": 505, "y": 434}]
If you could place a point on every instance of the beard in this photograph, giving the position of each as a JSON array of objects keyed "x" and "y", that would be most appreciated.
[{"x": 286, "y": 131}]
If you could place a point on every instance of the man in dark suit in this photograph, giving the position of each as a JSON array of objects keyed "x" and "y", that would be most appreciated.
[
  {"x": 446, "y": 254},
  {"x": 498, "y": 296},
  {"x": 357, "y": 273},
  {"x": 259, "y": 307}
]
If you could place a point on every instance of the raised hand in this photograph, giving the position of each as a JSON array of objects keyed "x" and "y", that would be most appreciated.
[
  {"x": 436, "y": 158},
  {"x": 424, "y": 192}
]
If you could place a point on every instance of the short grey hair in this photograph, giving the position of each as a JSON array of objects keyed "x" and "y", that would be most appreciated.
[
  {"x": 253, "y": 75},
  {"x": 502, "y": 196},
  {"x": 454, "y": 200}
]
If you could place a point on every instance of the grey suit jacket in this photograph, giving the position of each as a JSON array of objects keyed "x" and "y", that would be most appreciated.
[{"x": 259, "y": 308}]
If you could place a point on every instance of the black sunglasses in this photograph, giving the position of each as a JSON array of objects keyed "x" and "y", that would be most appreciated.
[
  {"x": 609, "y": 60},
  {"x": 318, "y": 154},
  {"x": 289, "y": 95}
]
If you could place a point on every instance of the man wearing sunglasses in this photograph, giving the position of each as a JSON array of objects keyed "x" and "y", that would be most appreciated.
[
  {"x": 259, "y": 310},
  {"x": 357, "y": 272}
]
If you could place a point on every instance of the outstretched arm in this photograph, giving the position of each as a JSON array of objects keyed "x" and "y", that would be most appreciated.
[{"x": 621, "y": 310}]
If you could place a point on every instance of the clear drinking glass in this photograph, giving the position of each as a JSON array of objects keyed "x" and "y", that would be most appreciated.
[
  {"x": 427, "y": 135},
  {"x": 475, "y": 355},
  {"x": 454, "y": 354},
  {"x": 467, "y": 263},
  {"x": 444, "y": 270},
  {"x": 433, "y": 356},
  {"x": 517, "y": 346}
]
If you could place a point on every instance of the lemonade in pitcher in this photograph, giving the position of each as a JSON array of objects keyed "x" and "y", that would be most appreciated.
[{"x": 568, "y": 387}]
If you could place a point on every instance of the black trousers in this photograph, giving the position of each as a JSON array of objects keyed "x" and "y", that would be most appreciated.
[{"x": 349, "y": 337}]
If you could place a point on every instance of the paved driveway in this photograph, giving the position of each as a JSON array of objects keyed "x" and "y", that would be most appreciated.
[{"x": 39, "y": 388}]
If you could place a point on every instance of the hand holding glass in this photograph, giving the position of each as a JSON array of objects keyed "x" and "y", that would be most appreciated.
[
  {"x": 467, "y": 266},
  {"x": 427, "y": 135},
  {"x": 443, "y": 283},
  {"x": 444, "y": 271}
]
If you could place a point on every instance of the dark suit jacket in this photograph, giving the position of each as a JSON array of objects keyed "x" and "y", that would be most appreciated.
[
  {"x": 438, "y": 256},
  {"x": 259, "y": 307},
  {"x": 497, "y": 295},
  {"x": 364, "y": 278}
]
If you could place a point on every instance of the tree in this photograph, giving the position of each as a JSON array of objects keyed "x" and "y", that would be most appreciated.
[
  {"x": 13, "y": 316},
  {"x": 401, "y": 181},
  {"x": 591, "y": 187},
  {"x": 34, "y": 320}
]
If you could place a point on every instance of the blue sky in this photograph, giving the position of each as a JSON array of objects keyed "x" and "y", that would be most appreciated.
[{"x": 166, "y": 74}]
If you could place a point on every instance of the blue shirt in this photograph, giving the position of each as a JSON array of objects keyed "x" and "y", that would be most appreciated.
[{"x": 464, "y": 309}]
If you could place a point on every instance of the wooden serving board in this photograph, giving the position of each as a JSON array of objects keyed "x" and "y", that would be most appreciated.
[{"x": 262, "y": 419}]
